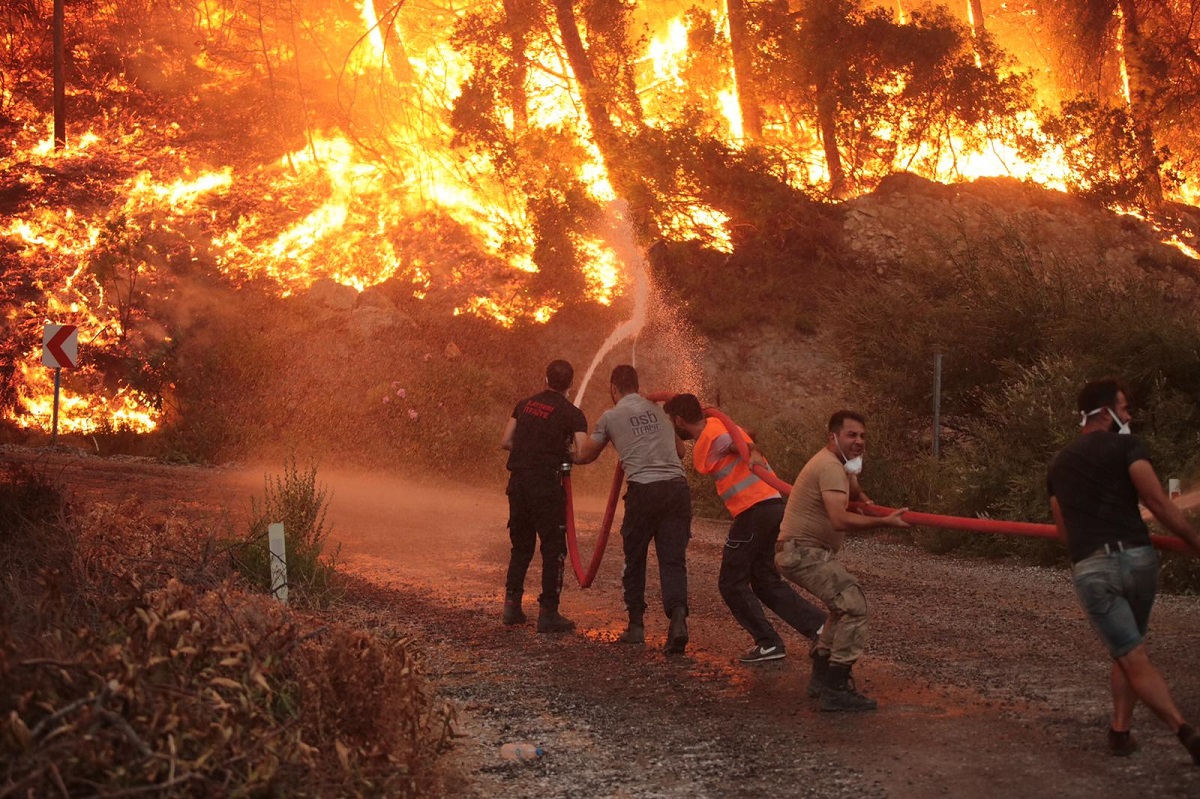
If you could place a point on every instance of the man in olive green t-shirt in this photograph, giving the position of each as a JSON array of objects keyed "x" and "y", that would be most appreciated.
[{"x": 815, "y": 523}]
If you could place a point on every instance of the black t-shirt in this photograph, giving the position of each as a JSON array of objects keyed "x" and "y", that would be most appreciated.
[
  {"x": 1090, "y": 478},
  {"x": 546, "y": 423}
]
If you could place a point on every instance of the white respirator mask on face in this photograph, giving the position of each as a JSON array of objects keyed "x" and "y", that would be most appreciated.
[
  {"x": 851, "y": 465},
  {"x": 1121, "y": 427}
]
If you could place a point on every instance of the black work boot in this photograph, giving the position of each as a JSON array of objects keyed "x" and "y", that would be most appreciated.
[
  {"x": 551, "y": 621},
  {"x": 512, "y": 609},
  {"x": 838, "y": 694},
  {"x": 635, "y": 633},
  {"x": 820, "y": 671},
  {"x": 677, "y": 632}
]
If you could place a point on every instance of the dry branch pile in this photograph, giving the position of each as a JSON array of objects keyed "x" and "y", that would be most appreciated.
[{"x": 120, "y": 680}]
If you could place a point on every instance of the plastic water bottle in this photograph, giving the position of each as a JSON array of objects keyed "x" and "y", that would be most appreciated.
[{"x": 521, "y": 752}]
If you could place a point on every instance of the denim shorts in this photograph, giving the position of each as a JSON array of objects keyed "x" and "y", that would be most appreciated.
[{"x": 1117, "y": 591}]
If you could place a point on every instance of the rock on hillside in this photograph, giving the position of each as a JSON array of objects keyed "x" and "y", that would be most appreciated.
[{"x": 909, "y": 217}]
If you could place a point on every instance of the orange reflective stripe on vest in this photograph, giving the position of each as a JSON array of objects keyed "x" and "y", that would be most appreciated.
[{"x": 738, "y": 487}]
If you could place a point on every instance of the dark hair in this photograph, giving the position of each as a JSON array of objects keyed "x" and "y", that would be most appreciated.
[
  {"x": 559, "y": 375},
  {"x": 625, "y": 378},
  {"x": 838, "y": 419},
  {"x": 686, "y": 407},
  {"x": 1100, "y": 393}
]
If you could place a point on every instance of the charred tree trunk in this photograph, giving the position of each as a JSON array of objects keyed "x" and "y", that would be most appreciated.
[
  {"x": 394, "y": 51},
  {"x": 519, "y": 17},
  {"x": 1140, "y": 99},
  {"x": 743, "y": 70},
  {"x": 827, "y": 121},
  {"x": 595, "y": 100},
  {"x": 975, "y": 11}
]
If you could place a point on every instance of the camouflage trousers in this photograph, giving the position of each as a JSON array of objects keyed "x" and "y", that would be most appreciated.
[{"x": 820, "y": 573}]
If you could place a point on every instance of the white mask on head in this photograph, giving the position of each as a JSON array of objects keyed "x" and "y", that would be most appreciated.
[
  {"x": 851, "y": 465},
  {"x": 1122, "y": 427}
]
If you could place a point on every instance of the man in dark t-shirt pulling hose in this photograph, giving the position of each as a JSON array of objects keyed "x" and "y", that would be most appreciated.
[
  {"x": 539, "y": 437},
  {"x": 1095, "y": 483}
]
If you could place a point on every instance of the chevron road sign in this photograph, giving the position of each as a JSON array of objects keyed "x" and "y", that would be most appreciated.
[
  {"x": 60, "y": 350},
  {"x": 60, "y": 346}
]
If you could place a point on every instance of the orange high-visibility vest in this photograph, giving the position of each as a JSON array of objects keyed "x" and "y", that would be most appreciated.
[{"x": 738, "y": 487}]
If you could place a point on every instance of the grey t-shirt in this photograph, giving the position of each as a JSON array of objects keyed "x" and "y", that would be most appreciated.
[{"x": 643, "y": 437}]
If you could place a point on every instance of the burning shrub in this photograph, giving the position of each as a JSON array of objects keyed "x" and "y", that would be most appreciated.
[{"x": 296, "y": 501}]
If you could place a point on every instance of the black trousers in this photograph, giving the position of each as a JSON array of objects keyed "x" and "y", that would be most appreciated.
[
  {"x": 748, "y": 578},
  {"x": 537, "y": 509},
  {"x": 660, "y": 512}
]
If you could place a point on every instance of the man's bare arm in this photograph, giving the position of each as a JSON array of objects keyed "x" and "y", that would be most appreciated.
[
  {"x": 1059, "y": 524},
  {"x": 837, "y": 507},
  {"x": 589, "y": 450},
  {"x": 507, "y": 439},
  {"x": 1150, "y": 491}
]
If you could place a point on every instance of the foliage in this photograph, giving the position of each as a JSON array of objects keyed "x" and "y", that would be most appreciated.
[
  {"x": 300, "y": 504},
  {"x": 1100, "y": 146},
  {"x": 1008, "y": 389},
  {"x": 901, "y": 96},
  {"x": 167, "y": 680}
]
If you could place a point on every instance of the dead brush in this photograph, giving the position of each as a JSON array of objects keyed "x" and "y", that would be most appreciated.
[{"x": 151, "y": 684}]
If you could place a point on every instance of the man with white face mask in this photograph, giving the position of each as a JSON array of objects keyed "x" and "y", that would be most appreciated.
[
  {"x": 1095, "y": 484},
  {"x": 815, "y": 522}
]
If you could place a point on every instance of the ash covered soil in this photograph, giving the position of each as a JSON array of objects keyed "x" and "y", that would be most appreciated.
[{"x": 990, "y": 683}]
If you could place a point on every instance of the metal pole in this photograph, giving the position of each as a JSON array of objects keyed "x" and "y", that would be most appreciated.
[
  {"x": 60, "y": 93},
  {"x": 937, "y": 405},
  {"x": 54, "y": 419}
]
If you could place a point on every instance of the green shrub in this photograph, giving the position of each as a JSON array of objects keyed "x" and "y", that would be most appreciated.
[
  {"x": 1019, "y": 334},
  {"x": 296, "y": 501}
]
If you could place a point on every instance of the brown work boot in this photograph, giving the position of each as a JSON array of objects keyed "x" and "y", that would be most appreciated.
[
  {"x": 635, "y": 632},
  {"x": 512, "y": 610},
  {"x": 550, "y": 621},
  {"x": 1121, "y": 744},
  {"x": 677, "y": 632},
  {"x": 839, "y": 694}
]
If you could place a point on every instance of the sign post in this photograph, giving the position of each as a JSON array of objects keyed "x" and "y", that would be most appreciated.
[
  {"x": 60, "y": 349},
  {"x": 278, "y": 550}
]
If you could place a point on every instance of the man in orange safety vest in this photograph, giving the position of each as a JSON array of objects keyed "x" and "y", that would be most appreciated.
[{"x": 748, "y": 578}]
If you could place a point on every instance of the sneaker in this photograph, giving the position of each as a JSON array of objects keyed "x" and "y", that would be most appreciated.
[
  {"x": 760, "y": 653},
  {"x": 1121, "y": 744},
  {"x": 550, "y": 621}
]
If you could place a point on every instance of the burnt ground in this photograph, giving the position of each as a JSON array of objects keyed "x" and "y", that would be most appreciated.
[{"x": 989, "y": 680}]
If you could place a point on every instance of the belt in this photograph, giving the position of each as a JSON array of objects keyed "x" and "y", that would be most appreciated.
[{"x": 1118, "y": 546}]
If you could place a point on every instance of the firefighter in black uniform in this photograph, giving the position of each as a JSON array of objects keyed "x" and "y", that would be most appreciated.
[{"x": 539, "y": 436}]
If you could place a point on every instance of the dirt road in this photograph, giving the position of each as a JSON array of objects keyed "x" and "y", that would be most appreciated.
[{"x": 989, "y": 681}]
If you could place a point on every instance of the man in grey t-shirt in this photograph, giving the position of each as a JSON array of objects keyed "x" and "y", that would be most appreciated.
[{"x": 658, "y": 504}]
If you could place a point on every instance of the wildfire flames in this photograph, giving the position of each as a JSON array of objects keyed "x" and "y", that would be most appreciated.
[{"x": 331, "y": 207}]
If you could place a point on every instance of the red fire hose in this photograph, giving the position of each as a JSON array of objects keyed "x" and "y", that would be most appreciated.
[
  {"x": 585, "y": 578},
  {"x": 992, "y": 526}
]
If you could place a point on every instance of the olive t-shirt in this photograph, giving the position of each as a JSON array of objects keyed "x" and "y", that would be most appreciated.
[
  {"x": 1099, "y": 503},
  {"x": 804, "y": 516}
]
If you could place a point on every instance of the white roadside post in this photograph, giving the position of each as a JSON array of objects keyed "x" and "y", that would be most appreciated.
[
  {"x": 279, "y": 586},
  {"x": 1173, "y": 489}
]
